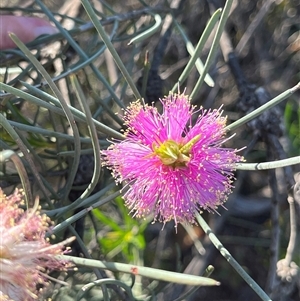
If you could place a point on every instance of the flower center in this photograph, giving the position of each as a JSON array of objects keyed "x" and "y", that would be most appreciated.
[{"x": 174, "y": 154}]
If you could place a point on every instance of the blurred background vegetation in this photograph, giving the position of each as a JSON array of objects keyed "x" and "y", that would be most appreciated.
[{"x": 266, "y": 38}]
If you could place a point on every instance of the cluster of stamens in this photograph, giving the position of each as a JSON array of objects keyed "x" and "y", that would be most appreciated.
[{"x": 174, "y": 154}]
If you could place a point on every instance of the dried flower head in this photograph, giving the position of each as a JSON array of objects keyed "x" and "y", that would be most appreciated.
[
  {"x": 172, "y": 168},
  {"x": 25, "y": 254}
]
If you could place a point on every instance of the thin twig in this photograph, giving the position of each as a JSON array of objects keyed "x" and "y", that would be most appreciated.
[
  {"x": 275, "y": 234},
  {"x": 293, "y": 232},
  {"x": 253, "y": 26}
]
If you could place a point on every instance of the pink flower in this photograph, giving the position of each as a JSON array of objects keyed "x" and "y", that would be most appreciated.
[
  {"x": 172, "y": 168},
  {"x": 25, "y": 254}
]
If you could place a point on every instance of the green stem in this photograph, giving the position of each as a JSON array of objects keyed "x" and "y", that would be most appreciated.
[
  {"x": 230, "y": 259},
  {"x": 94, "y": 138},
  {"x": 273, "y": 102},
  {"x": 87, "y": 6},
  {"x": 157, "y": 274},
  {"x": 90, "y": 203},
  {"x": 80, "y": 52},
  {"x": 10, "y": 155},
  {"x": 49, "y": 100},
  {"x": 64, "y": 105},
  {"x": 147, "y": 33},
  {"x": 269, "y": 165},
  {"x": 14, "y": 135},
  {"x": 103, "y": 283},
  {"x": 195, "y": 53},
  {"x": 213, "y": 48}
]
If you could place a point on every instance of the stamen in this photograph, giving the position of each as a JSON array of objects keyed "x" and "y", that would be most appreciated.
[{"x": 172, "y": 153}]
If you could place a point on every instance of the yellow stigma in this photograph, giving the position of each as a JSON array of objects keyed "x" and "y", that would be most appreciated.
[{"x": 174, "y": 154}]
